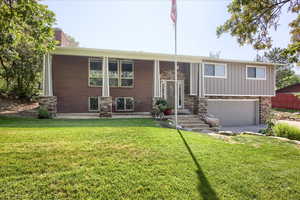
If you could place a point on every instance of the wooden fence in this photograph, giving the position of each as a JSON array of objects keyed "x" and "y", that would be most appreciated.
[{"x": 288, "y": 101}]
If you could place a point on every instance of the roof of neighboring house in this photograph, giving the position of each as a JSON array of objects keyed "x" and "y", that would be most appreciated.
[
  {"x": 291, "y": 88},
  {"x": 80, "y": 51}
]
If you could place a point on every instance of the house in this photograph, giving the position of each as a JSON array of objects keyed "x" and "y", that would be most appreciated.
[
  {"x": 287, "y": 97},
  {"x": 83, "y": 80}
]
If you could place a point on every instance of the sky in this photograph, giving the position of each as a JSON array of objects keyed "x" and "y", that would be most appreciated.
[{"x": 145, "y": 25}]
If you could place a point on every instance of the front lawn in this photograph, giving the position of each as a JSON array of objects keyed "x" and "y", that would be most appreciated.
[{"x": 135, "y": 159}]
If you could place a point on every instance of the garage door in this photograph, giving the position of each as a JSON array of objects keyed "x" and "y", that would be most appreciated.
[{"x": 233, "y": 112}]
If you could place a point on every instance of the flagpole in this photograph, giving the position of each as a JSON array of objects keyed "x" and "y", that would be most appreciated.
[{"x": 175, "y": 68}]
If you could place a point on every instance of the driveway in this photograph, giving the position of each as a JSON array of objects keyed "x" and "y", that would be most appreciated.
[{"x": 239, "y": 129}]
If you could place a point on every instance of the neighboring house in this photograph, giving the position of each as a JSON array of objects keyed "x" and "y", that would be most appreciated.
[
  {"x": 84, "y": 80},
  {"x": 287, "y": 97}
]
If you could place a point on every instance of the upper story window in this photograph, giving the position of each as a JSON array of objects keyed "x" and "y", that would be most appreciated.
[
  {"x": 215, "y": 70},
  {"x": 95, "y": 72},
  {"x": 126, "y": 78},
  {"x": 121, "y": 73},
  {"x": 256, "y": 72}
]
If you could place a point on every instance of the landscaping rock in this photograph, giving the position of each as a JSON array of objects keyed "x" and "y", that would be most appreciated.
[
  {"x": 228, "y": 133},
  {"x": 252, "y": 133}
]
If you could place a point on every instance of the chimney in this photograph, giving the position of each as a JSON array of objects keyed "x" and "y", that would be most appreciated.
[{"x": 61, "y": 37}]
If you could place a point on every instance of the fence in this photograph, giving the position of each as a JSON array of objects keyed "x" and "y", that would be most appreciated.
[{"x": 288, "y": 101}]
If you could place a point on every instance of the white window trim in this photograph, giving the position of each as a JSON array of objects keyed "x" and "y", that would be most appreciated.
[
  {"x": 89, "y": 70},
  {"x": 262, "y": 67},
  {"x": 120, "y": 73},
  {"x": 119, "y": 65},
  {"x": 125, "y": 110},
  {"x": 206, "y": 76},
  {"x": 89, "y": 104}
]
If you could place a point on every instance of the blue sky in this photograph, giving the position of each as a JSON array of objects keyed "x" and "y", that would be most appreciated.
[{"x": 145, "y": 25}]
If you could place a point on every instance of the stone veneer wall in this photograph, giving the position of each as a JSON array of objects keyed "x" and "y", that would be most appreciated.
[
  {"x": 202, "y": 107},
  {"x": 190, "y": 102},
  {"x": 105, "y": 107},
  {"x": 49, "y": 103},
  {"x": 265, "y": 104}
]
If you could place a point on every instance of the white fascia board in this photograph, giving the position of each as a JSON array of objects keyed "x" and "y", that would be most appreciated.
[{"x": 140, "y": 55}]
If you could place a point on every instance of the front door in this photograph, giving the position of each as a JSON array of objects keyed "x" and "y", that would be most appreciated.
[{"x": 168, "y": 92}]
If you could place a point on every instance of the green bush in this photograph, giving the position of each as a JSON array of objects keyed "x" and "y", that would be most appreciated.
[
  {"x": 287, "y": 131},
  {"x": 43, "y": 114}
]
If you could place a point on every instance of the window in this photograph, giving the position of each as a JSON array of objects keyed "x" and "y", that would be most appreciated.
[
  {"x": 95, "y": 72},
  {"x": 113, "y": 73},
  {"x": 256, "y": 72},
  {"x": 215, "y": 70},
  {"x": 124, "y": 104},
  {"x": 93, "y": 103},
  {"x": 121, "y": 73},
  {"x": 126, "y": 74}
]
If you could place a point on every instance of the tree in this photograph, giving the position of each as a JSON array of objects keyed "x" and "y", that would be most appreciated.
[
  {"x": 26, "y": 34},
  {"x": 252, "y": 20},
  {"x": 285, "y": 75}
]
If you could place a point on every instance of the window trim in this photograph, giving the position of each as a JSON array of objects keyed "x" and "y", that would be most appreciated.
[
  {"x": 89, "y": 104},
  {"x": 211, "y": 63},
  {"x": 89, "y": 70},
  {"x": 256, "y": 66},
  {"x": 119, "y": 65},
  {"x": 120, "y": 73},
  {"x": 125, "y": 110}
]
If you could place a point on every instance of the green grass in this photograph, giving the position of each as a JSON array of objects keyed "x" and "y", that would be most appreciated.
[
  {"x": 135, "y": 159},
  {"x": 287, "y": 131},
  {"x": 286, "y": 110}
]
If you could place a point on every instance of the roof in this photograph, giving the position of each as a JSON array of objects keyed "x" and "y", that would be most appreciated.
[
  {"x": 290, "y": 88},
  {"x": 80, "y": 51}
]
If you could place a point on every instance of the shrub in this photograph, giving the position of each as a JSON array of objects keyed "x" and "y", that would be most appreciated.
[
  {"x": 43, "y": 114},
  {"x": 287, "y": 131}
]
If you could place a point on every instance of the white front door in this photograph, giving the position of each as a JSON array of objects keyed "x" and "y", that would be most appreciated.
[{"x": 168, "y": 92}]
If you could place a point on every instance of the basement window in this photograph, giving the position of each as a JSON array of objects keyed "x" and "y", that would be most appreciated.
[
  {"x": 94, "y": 104},
  {"x": 124, "y": 104}
]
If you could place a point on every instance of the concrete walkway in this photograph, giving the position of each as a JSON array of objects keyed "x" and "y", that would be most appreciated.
[{"x": 96, "y": 115}]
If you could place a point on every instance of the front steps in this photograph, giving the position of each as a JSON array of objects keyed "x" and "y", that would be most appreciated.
[{"x": 192, "y": 123}]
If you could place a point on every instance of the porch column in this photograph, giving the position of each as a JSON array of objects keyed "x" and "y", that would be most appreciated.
[
  {"x": 201, "y": 99},
  {"x": 156, "y": 81},
  {"x": 47, "y": 101},
  {"x": 105, "y": 99},
  {"x": 47, "y": 75}
]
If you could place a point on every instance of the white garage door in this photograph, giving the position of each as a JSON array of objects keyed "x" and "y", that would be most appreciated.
[{"x": 234, "y": 112}]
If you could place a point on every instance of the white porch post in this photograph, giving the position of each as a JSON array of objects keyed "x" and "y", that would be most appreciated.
[
  {"x": 47, "y": 75},
  {"x": 156, "y": 92},
  {"x": 105, "y": 99},
  {"x": 105, "y": 78}
]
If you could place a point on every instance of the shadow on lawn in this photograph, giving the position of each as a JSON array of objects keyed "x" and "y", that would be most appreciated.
[{"x": 204, "y": 188}]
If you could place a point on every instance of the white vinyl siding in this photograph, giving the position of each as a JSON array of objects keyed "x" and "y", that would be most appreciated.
[{"x": 194, "y": 78}]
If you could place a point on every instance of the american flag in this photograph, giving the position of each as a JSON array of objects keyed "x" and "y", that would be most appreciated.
[{"x": 174, "y": 11}]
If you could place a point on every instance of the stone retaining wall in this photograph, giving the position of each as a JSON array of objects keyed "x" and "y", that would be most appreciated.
[{"x": 49, "y": 103}]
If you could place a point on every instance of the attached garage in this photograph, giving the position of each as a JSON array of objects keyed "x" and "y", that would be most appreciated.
[{"x": 235, "y": 112}]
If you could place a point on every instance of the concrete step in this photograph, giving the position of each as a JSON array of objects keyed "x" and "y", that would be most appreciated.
[
  {"x": 190, "y": 120},
  {"x": 202, "y": 126},
  {"x": 199, "y": 123}
]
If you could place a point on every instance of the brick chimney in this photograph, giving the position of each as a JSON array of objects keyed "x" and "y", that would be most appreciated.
[{"x": 61, "y": 37}]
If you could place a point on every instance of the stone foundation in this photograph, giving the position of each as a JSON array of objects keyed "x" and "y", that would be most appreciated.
[
  {"x": 202, "y": 107},
  {"x": 105, "y": 107},
  {"x": 265, "y": 106},
  {"x": 190, "y": 102},
  {"x": 49, "y": 103}
]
